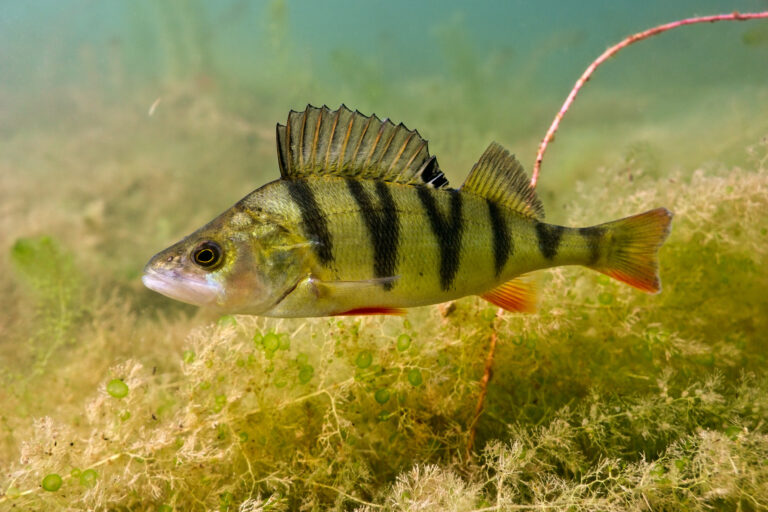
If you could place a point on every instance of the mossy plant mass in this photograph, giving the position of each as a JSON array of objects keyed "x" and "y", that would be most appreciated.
[{"x": 605, "y": 399}]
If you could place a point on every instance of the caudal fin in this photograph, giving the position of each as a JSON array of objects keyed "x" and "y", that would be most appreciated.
[{"x": 632, "y": 246}]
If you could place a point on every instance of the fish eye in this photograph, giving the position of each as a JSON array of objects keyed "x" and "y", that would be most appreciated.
[{"x": 207, "y": 254}]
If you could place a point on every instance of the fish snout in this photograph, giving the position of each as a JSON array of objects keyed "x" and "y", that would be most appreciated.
[{"x": 177, "y": 284}]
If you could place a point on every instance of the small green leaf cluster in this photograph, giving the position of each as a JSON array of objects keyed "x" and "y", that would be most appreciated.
[{"x": 48, "y": 272}]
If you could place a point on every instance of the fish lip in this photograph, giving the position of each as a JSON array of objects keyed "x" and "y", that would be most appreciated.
[{"x": 193, "y": 291}]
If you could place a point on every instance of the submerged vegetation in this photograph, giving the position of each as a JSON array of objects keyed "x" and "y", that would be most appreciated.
[
  {"x": 113, "y": 397},
  {"x": 606, "y": 399}
]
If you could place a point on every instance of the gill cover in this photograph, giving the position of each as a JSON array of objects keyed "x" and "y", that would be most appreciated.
[{"x": 238, "y": 263}]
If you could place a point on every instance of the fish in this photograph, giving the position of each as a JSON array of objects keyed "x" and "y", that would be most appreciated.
[{"x": 363, "y": 221}]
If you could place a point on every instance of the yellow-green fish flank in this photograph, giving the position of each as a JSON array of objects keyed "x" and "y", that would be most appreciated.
[{"x": 363, "y": 221}]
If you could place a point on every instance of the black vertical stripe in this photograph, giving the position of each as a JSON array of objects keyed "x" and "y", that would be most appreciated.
[
  {"x": 313, "y": 220},
  {"x": 592, "y": 235},
  {"x": 383, "y": 227},
  {"x": 448, "y": 232},
  {"x": 549, "y": 238},
  {"x": 502, "y": 241}
]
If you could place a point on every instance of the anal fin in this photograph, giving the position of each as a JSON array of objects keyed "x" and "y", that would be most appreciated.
[
  {"x": 516, "y": 295},
  {"x": 372, "y": 311}
]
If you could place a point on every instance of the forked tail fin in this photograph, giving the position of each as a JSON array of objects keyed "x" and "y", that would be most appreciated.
[{"x": 631, "y": 246}]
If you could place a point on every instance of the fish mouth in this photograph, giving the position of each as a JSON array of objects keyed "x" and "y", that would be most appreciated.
[{"x": 194, "y": 290}]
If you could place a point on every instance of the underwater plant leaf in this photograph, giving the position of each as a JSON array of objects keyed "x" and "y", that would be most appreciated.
[
  {"x": 42, "y": 263},
  {"x": 50, "y": 273}
]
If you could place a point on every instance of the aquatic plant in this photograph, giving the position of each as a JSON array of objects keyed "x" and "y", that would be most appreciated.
[
  {"x": 585, "y": 404},
  {"x": 50, "y": 273}
]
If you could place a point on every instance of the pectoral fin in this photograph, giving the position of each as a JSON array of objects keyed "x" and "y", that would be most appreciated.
[
  {"x": 343, "y": 288},
  {"x": 311, "y": 296},
  {"x": 354, "y": 292}
]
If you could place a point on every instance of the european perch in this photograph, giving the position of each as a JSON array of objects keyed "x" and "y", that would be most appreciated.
[{"x": 363, "y": 221}]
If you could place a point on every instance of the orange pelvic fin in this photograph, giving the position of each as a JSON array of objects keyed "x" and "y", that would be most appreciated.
[
  {"x": 632, "y": 255},
  {"x": 517, "y": 295},
  {"x": 372, "y": 311}
]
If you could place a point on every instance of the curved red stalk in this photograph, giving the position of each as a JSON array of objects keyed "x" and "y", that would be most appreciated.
[{"x": 610, "y": 52}]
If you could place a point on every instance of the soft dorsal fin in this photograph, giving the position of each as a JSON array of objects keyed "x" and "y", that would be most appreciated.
[
  {"x": 319, "y": 141},
  {"x": 499, "y": 177}
]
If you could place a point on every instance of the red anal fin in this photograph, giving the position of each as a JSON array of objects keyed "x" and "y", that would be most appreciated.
[
  {"x": 372, "y": 311},
  {"x": 517, "y": 295}
]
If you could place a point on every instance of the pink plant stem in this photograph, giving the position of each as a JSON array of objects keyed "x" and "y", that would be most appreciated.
[
  {"x": 610, "y": 52},
  {"x": 487, "y": 373}
]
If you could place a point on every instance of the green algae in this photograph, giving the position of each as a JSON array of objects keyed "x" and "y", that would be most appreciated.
[
  {"x": 88, "y": 478},
  {"x": 403, "y": 342},
  {"x": 48, "y": 271},
  {"x": 117, "y": 388},
  {"x": 52, "y": 482}
]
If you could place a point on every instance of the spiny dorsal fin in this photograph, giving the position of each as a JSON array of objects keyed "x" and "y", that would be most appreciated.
[
  {"x": 499, "y": 177},
  {"x": 319, "y": 141}
]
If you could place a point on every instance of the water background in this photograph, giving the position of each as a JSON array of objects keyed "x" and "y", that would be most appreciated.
[{"x": 454, "y": 70}]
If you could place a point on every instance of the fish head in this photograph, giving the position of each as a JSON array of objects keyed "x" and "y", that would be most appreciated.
[{"x": 241, "y": 262}]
